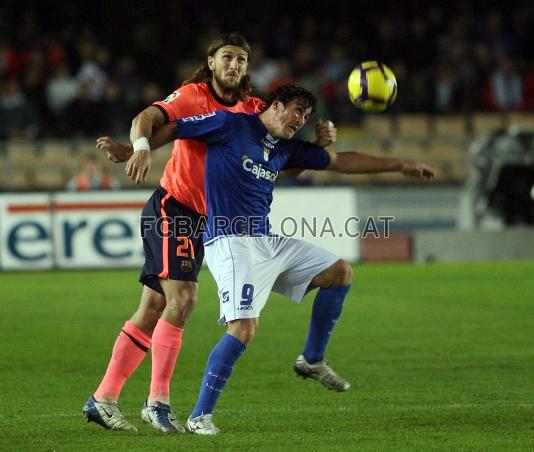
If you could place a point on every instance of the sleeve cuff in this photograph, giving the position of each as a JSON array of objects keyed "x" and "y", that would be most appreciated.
[{"x": 165, "y": 114}]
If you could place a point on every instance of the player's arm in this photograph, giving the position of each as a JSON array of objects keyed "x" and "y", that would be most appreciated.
[
  {"x": 357, "y": 163},
  {"x": 142, "y": 125},
  {"x": 118, "y": 152}
]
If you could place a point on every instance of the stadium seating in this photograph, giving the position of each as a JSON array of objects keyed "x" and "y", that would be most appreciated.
[{"x": 440, "y": 141}]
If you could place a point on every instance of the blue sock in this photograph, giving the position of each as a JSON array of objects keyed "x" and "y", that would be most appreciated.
[
  {"x": 327, "y": 308},
  {"x": 218, "y": 370}
]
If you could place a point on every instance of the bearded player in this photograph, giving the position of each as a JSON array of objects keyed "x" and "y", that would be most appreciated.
[{"x": 172, "y": 261}]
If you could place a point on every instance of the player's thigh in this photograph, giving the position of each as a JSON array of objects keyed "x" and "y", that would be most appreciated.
[
  {"x": 172, "y": 242},
  {"x": 244, "y": 274},
  {"x": 301, "y": 262},
  {"x": 151, "y": 300}
]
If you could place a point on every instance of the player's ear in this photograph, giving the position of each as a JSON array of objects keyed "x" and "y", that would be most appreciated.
[
  {"x": 211, "y": 64},
  {"x": 278, "y": 105}
]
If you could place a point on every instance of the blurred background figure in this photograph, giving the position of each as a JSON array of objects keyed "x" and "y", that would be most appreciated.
[
  {"x": 506, "y": 86},
  {"x": 92, "y": 177},
  {"x": 18, "y": 116}
]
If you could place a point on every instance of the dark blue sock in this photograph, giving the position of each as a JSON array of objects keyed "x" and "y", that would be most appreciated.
[
  {"x": 327, "y": 308},
  {"x": 218, "y": 370}
]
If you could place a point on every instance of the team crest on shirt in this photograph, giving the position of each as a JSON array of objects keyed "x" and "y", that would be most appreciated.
[
  {"x": 269, "y": 143},
  {"x": 266, "y": 152},
  {"x": 186, "y": 266}
]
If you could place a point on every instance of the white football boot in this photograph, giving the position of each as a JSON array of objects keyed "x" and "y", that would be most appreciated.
[
  {"x": 108, "y": 415},
  {"x": 201, "y": 425},
  {"x": 322, "y": 372}
]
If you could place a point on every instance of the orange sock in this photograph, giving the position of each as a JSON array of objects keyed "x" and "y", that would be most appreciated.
[
  {"x": 166, "y": 343},
  {"x": 128, "y": 352}
]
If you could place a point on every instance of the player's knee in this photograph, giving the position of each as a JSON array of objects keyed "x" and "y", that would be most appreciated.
[
  {"x": 154, "y": 304},
  {"x": 343, "y": 273},
  {"x": 150, "y": 309},
  {"x": 183, "y": 298},
  {"x": 243, "y": 329}
]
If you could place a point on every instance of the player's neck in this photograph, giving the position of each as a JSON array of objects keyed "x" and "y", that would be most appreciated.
[
  {"x": 226, "y": 96},
  {"x": 268, "y": 122}
]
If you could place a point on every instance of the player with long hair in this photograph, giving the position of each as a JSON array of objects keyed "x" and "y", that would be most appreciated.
[{"x": 172, "y": 259}]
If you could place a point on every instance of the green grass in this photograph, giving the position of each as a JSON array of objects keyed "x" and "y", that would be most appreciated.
[{"x": 441, "y": 357}]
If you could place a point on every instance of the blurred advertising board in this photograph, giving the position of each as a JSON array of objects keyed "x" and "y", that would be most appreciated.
[{"x": 101, "y": 229}]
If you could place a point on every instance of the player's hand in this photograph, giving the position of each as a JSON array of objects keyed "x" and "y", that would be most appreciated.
[
  {"x": 115, "y": 152},
  {"x": 138, "y": 166},
  {"x": 325, "y": 132},
  {"x": 418, "y": 170}
]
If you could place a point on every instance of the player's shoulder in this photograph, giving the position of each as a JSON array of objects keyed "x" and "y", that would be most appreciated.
[
  {"x": 234, "y": 118},
  {"x": 193, "y": 90},
  {"x": 253, "y": 104},
  {"x": 187, "y": 100}
]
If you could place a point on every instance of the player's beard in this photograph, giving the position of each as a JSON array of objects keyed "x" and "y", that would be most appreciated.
[{"x": 228, "y": 88}]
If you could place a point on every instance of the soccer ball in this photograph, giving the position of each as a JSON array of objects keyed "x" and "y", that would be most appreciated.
[{"x": 372, "y": 86}]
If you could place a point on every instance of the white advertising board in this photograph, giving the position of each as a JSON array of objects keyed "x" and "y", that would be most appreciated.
[
  {"x": 98, "y": 229},
  {"x": 25, "y": 231},
  {"x": 101, "y": 229},
  {"x": 326, "y": 217}
]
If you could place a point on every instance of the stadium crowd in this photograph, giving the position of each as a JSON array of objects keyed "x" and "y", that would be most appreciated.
[{"x": 89, "y": 68}]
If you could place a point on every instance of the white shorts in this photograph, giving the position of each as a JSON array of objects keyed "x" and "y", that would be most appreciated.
[{"x": 246, "y": 269}]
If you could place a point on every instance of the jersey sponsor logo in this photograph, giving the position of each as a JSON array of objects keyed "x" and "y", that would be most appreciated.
[
  {"x": 171, "y": 97},
  {"x": 244, "y": 308},
  {"x": 199, "y": 117},
  {"x": 225, "y": 297},
  {"x": 258, "y": 170}
]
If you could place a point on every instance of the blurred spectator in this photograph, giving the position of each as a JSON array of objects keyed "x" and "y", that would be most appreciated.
[
  {"x": 34, "y": 73},
  {"x": 262, "y": 70},
  {"x": 114, "y": 115},
  {"x": 285, "y": 75},
  {"x": 92, "y": 177},
  {"x": 125, "y": 75},
  {"x": 409, "y": 93},
  {"x": 468, "y": 86},
  {"x": 445, "y": 55},
  {"x": 9, "y": 61},
  {"x": 337, "y": 66},
  {"x": 444, "y": 86},
  {"x": 528, "y": 83},
  {"x": 151, "y": 93},
  {"x": 82, "y": 115},
  {"x": 92, "y": 73},
  {"x": 501, "y": 41},
  {"x": 506, "y": 86},
  {"x": 61, "y": 89},
  {"x": 304, "y": 61},
  {"x": 18, "y": 118}
]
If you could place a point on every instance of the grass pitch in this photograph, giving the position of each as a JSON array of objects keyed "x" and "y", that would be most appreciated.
[{"x": 441, "y": 357}]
